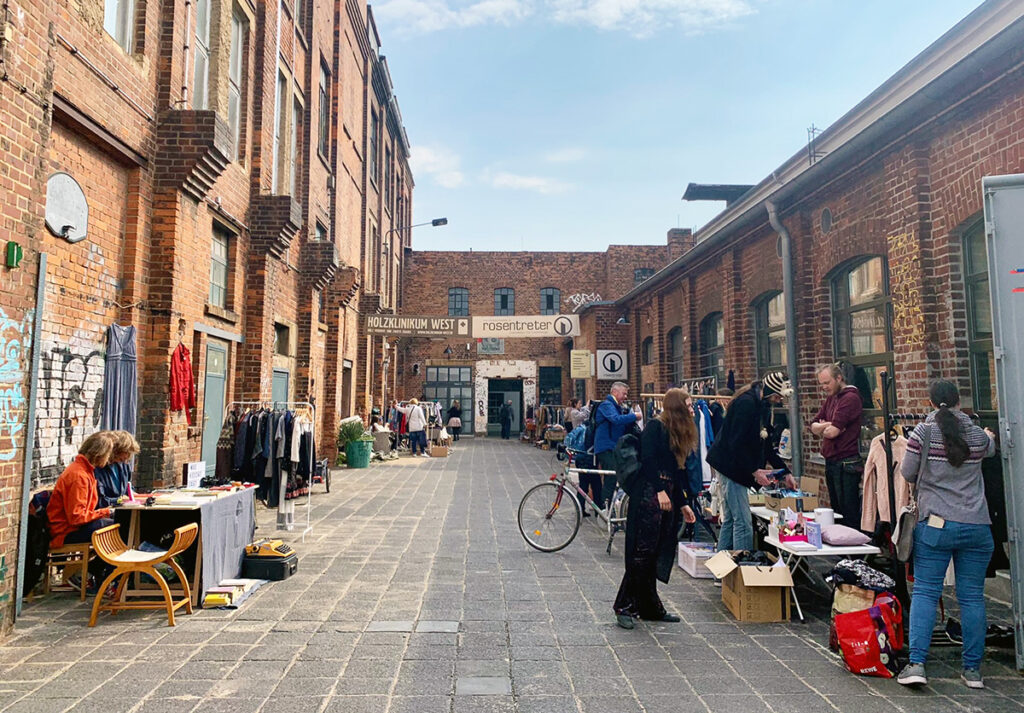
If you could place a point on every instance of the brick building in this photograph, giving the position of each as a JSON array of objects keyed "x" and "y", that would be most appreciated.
[
  {"x": 888, "y": 245},
  {"x": 240, "y": 163},
  {"x": 528, "y": 372}
]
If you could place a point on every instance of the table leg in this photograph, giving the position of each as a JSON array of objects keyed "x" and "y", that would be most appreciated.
[
  {"x": 197, "y": 579},
  {"x": 792, "y": 572}
]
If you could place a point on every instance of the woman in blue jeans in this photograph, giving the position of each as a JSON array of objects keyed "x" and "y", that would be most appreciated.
[{"x": 943, "y": 459}]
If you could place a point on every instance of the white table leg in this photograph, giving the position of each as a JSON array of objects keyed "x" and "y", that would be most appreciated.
[{"x": 790, "y": 560}]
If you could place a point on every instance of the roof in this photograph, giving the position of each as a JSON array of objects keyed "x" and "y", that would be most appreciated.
[{"x": 727, "y": 192}]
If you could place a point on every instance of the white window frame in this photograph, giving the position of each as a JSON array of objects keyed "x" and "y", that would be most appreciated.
[
  {"x": 119, "y": 22},
  {"x": 220, "y": 242},
  {"x": 201, "y": 57},
  {"x": 236, "y": 64}
]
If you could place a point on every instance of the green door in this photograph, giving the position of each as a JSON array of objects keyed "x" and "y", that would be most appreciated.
[
  {"x": 213, "y": 402},
  {"x": 279, "y": 389}
]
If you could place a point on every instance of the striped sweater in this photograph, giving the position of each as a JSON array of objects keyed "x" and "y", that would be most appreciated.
[{"x": 955, "y": 494}]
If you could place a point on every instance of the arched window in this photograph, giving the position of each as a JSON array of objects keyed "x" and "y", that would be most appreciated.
[
  {"x": 712, "y": 346},
  {"x": 504, "y": 301},
  {"x": 647, "y": 351},
  {"x": 458, "y": 302},
  {"x": 979, "y": 323},
  {"x": 675, "y": 355},
  {"x": 550, "y": 299},
  {"x": 770, "y": 331}
]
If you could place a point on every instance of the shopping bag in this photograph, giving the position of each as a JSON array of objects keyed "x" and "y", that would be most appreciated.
[
  {"x": 866, "y": 641},
  {"x": 847, "y": 598},
  {"x": 888, "y": 599}
]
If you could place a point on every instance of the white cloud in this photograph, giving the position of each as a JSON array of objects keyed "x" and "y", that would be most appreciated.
[
  {"x": 433, "y": 15},
  {"x": 641, "y": 18},
  {"x": 439, "y": 163},
  {"x": 538, "y": 184},
  {"x": 569, "y": 154},
  {"x": 644, "y": 17}
]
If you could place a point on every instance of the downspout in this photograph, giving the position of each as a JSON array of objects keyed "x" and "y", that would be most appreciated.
[
  {"x": 792, "y": 366},
  {"x": 187, "y": 50},
  {"x": 30, "y": 431}
]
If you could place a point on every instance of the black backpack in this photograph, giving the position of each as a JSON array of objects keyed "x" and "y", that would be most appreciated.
[{"x": 627, "y": 461}]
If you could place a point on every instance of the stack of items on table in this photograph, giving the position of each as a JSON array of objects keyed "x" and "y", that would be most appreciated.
[
  {"x": 803, "y": 530},
  {"x": 804, "y": 500}
]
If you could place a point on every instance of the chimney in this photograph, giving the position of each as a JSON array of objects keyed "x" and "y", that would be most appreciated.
[{"x": 680, "y": 241}]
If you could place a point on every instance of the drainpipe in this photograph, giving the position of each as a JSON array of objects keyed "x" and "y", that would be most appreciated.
[
  {"x": 187, "y": 50},
  {"x": 30, "y": 431},
  {"x": 792, "y": 366}
]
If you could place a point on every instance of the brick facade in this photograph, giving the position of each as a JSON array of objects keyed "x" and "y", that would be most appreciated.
[{"x": 162, "y": 175}]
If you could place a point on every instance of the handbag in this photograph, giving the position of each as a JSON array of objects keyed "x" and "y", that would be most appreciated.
[{"x": 906, "y": 521}]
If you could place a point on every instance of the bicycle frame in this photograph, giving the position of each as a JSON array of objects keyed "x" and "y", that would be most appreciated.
[{"x": 614, "y": 517}]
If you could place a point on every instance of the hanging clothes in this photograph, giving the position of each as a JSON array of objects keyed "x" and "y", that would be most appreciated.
[
  {"x": 875, "y": 503},
  {"x": 705, "y": 437},
  {"x": 183, "y": 386},
  {"x": 120, "y": 380}
]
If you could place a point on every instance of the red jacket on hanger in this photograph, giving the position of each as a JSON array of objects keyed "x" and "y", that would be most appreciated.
[{"x": 183, "y": 387}]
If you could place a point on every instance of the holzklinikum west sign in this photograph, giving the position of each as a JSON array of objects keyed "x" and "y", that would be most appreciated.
[{"x": 526, "y": 326}]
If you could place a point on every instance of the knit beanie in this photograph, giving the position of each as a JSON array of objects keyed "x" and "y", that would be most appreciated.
[{"x": 776, "y": 382}]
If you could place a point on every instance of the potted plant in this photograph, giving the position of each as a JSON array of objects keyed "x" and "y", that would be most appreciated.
[{"x": 355, "y": 442}]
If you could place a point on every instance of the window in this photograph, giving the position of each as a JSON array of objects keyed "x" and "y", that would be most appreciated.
[
  {"x": 979, "y": 323},
  {"x": 770, "y": 327},
  {"x": 324, "y": 125},
  {"x": 387, "y": 178},
  {"x": 641, "y": 274},
  {"x": 300, "y": 15},
  {"x": 549, "y": 385},
  {"x": 119, "y": 22},
  {"x": 712, "y": 346},
  {"x": 458, "y": 302},
  {"x": 201, "y": 76},
  {"x": 647, "y": 351},
  {"x": 675, "y": 355},
  {"x": 219, "y": 269},
  {"x": 296, "y": 128},
  {"x": 504, "y": 301},
  {"x": 320, "y": 234},
  {"x": 372, "y": 149},
  {"x": 321, "y": 305},
  {"x": 239, "y": 28},
  {"x": 550, "y": 299},
  {"x": 282, "y": 337},
  {"x": 280, "y": 126}
]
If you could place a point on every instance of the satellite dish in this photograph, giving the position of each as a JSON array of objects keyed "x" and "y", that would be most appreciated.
[{"x": 67, "y": 210}]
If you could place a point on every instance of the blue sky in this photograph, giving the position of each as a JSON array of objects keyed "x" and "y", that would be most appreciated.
[{"x": 572, "y": 124}]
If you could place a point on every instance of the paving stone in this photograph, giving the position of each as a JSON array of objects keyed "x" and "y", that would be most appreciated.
[
  {"x": 483, "y": 686},
  {"x": 293, "y": 704},
  {"x": 484, "y": 704},
  {"x": 390, "y": 626},
  {"x": 420, "y": 704},
  {"x": 609, "y": 704}
]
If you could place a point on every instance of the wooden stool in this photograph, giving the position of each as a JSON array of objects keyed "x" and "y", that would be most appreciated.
[
  {"x": 127, "y": 562},
  {"x": 69, "y": 557}
]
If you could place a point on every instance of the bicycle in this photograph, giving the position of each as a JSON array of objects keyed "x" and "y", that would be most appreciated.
[{"x": 548, "y": 526}]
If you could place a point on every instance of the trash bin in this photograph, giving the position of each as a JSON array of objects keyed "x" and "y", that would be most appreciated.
[{"x": 357, "y": 453}]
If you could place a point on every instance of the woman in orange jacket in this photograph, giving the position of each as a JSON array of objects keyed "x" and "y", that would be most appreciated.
[{"x": 72, "y": 508}]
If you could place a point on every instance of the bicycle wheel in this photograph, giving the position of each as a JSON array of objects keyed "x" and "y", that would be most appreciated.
[{"x": 549, "y": 517}]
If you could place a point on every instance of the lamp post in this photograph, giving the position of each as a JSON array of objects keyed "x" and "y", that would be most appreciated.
[{"x": 435, "y": 223}]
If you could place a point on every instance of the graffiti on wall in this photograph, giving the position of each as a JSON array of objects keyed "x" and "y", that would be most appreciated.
[
  {"x": 904, "y": 280},
  {"x": 582, "y": 298},
  {"x": 15, "y": 346}
]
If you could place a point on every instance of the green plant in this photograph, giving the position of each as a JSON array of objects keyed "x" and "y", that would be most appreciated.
[{"x": 350, "y": 431}]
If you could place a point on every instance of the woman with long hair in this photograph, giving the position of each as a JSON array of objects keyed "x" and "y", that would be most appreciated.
[
  {"x": 943, "y": 459},
  {"x": 667, "y": 448}
]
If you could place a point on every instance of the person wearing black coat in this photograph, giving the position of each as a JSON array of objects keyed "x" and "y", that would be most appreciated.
[
  {"x": 667, "y": 447},
  {"x": 455, "y": 420},
  {"x": 740, "y": 452}
]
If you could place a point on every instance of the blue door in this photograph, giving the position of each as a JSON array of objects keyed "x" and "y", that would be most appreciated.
[{"x": 213, "y": 401}]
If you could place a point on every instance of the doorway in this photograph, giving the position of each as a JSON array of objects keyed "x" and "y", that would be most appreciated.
[
  {"x": 213, "y": 401},
  {"x": 498, "y": 392},
  {"x": 279, "y": 389}
]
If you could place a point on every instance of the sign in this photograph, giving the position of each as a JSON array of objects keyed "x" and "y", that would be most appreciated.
[
  {"x": 579, "y": 364},
  {"x": 195, "y": 472},
  {"x": 401, "y": 326},
  {"x": 611, "y": 364},
  {"x": 547, "y": 325},
  {"x": 490, "y": 345}
]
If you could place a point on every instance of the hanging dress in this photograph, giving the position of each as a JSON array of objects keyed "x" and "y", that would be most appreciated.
[{"x": 120, "y": 380}]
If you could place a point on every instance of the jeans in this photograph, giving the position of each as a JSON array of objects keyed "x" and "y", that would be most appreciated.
[
  {"x": 418, "y": 438},
  {"x": 737, "y": 531},
  {"x": 843, "y": 477},
  {"x": 606, "y": 461},
  {"x": 97, "y": 567},
  {"x": 970, "y": 547},
  {"x": 593, "y": 483}
]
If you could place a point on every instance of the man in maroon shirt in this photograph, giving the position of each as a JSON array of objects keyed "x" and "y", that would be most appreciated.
[{"x": 838, "y": 424}]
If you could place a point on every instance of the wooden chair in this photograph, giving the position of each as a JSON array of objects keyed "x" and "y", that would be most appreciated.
[
  {"x": 69, "y": 558},
  {"x": 108, "y": 544}
]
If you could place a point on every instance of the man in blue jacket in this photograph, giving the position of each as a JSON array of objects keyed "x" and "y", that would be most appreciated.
[{"x": 611, "y": 421}]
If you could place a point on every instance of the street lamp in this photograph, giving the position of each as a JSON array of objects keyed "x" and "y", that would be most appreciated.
[{"x": 435, "y": 223}]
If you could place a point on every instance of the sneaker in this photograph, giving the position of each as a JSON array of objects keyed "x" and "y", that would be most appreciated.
[
  {"x": 626, "y": 622},
  {"x": 913, "y": 675},
  {"x": 972, "y": 677}
]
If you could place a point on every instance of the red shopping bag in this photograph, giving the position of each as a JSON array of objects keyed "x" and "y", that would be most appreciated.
[
  {"x": 866, "y": 641},
  {"x": 888, "y": 599}
]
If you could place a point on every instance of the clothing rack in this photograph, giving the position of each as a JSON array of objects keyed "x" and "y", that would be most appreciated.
[
  {"x": 696, "y": 397},
  {"x": 890, "y": 418},
  {"x": 294, "y": 406}
]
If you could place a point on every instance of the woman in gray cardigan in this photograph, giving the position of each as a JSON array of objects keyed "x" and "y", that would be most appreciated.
[{"x": 943, "y": 459}]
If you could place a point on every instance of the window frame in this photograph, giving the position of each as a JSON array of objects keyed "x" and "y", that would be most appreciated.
[
  {"x": 676, "y": 362},
  {"x": 220, "y": 236},
  {"x": 458, "y": 297},
  {"x": 555, "y": 296},
  {"x": 712, "y": 356},
  {"x": 642, "y": 274},
  {"x": 280, "y": 127},
  {"x": 296, "y": 143},
  {"x": 123, "y": 23},
  {"x": 372, "y": 154},
  {"x": 499, "y": 294},
  {"x": 647, "y": 351},
  {"x": 237, "y": 63},
  {"x": 388, "y": 192},
  {"x": 980, "y": 345},
  {"x": 201, "y": 39},
  {"x": 764, "y": 333}
]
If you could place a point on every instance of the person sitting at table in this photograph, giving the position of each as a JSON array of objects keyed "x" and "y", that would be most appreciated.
[
  {"x": 376, "y": 426},
  {"x": 72, "y": 510},
  {"x": 113, "y": 479}
]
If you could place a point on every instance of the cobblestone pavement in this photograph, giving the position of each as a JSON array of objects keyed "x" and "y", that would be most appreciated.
[{"x": 416, "y": 594}]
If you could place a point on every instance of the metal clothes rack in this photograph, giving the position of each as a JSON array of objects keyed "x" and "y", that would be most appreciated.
[{"x": 292, "y": 405}]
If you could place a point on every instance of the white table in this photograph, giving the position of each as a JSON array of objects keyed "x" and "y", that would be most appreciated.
[
  {"x": 762, "y": 512},
  {"x": 794, "y": 558}
]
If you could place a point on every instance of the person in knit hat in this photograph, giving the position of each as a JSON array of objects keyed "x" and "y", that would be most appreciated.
[{"x": 740, "y": 452}]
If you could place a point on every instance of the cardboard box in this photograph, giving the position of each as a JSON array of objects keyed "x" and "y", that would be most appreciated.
[
  {"x": 808, "y": 484},
  {"x": 755, "y": 498},
  {"x": 759, "y": 594},
  {"x": 439, "y": 451},
  {"x": 693, "y": 555}
]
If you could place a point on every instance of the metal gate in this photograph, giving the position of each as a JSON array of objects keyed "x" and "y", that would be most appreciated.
[{"x": 1004, "y": 236}]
